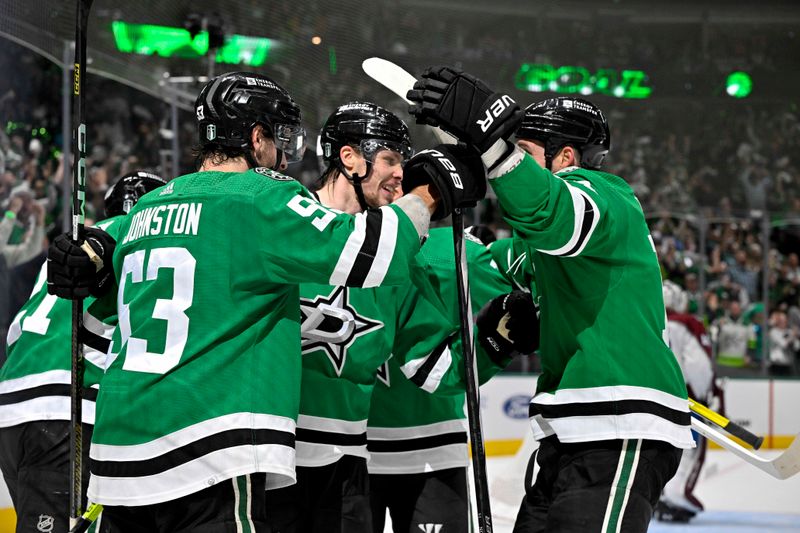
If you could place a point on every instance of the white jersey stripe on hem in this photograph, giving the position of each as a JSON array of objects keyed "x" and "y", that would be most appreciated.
[
  {"x": 187, "y": 435},
  {"x": 611, "y": 393},
  {"x": 193, "y": 476}
]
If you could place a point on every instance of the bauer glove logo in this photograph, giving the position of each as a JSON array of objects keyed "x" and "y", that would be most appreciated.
[
  {"x": 495, "y": 110},
  {"x": 448, "y": 165}
]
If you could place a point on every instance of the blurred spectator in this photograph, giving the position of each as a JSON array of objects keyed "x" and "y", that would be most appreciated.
[
  {"x": 727, "y": 292},
  {"x": 22, "y": 206},
  {"x": 784, "y": 344},
  {"x": 754, "y": 318},
  {"x": 732, "y": 337},
  {"x": 743, "y": 273},
  {"x": 693, "y": 292}
]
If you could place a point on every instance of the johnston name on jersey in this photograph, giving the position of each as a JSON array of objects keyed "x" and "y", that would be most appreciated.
[
  {"x": 607, "y": 370},
  {"x": 204, "y": 369}
]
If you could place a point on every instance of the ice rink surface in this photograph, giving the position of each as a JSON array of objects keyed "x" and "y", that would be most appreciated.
[{"x": 738, "y": 498}]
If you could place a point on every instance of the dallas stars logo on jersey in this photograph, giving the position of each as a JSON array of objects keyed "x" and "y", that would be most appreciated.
[{"x": 331, "y": 324}]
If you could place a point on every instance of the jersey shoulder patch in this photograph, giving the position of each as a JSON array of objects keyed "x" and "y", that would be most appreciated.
[{"x": 268, "y": 172}]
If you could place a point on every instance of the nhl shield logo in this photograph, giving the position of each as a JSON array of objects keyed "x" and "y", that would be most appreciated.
[
  {"x": 211, "y": 132},
  {"x": 46, "y": 523}
]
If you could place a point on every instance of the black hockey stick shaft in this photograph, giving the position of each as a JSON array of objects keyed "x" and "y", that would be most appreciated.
[
  {"x": 78, "y": 213},
  {"x": 731, "y": 427},
  {"x": 471, "y": 377}
]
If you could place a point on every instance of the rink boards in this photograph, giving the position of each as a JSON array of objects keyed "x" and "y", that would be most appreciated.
[{"x": 764, "y": 406}]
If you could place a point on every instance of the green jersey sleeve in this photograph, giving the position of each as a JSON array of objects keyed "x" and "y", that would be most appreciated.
[
  {"x": 560, "y": 215},
  {"x": 434, "y": 276},
  {"x": 424, "y": 332},
  {"x": 322, "y": 245}
]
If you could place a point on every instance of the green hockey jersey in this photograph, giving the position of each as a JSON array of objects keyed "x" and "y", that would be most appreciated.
[
  {"x": 35, "y": 379},
  {"x": 608, "y": 372},
  {"x": 410, "y": 431},
  {"x": 204, "y": 368},
  {"x": 347, "y": 333}
]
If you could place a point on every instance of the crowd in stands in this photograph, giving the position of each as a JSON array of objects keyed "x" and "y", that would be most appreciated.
[
  {"x": 732, "y": 305},
  {"x": 685, "y": 157}
]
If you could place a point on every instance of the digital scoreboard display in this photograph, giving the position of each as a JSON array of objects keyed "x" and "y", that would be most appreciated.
[{"x": 618, "y": 83}]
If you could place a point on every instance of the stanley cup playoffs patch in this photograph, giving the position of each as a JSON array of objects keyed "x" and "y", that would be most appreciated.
[{"x": 268, "y": 172}]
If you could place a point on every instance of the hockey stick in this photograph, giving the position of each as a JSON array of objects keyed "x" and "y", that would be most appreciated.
[
  {"x": 731, "y": 427},
  {"x": 87, "y": 519},
  {"x": 471, "y": 377},
  {"x": 784, "y": 466},
  {"x": 399, "y": 81},
  {"x": 78, "y": 215}
]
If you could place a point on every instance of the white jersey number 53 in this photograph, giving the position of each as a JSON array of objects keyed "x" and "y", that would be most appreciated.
[{"x": 182, "y": 264}]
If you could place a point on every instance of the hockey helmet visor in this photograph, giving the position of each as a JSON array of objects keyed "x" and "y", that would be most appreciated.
[
  {"x": 370, "y": 147},
  {"x": 291, "y": 139}
]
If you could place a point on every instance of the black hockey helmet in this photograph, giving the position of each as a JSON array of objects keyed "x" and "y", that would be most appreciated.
[
  {"x": 230, "y": 106},
  {"x": 124, "y": 194},
  {"x": 567, "y": 120},
  {"x": 367, "y": 126}
]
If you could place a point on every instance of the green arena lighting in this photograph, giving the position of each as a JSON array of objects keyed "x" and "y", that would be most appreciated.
[
  {"x": 539, "y": 77},
  {"x": 739, "y": 84},
  {"x": 332, "y": 60},
  {"x": 167, "y": 41}
]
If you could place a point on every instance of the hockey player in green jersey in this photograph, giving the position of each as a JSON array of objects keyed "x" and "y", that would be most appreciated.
[
  {"x": 35, "y": 385},
  {"x": 348, "y": 333},
  {"x": 197, "y": 413},
  {"x": 610, "y": 410},
  {"x": 417, "y": 441}
]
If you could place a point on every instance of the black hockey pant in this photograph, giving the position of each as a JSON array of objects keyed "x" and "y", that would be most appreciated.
[{"x": 595, "y": 487}]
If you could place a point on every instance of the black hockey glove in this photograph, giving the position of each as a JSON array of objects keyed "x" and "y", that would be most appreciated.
[
  {"x": 455, "y": 170},
  {"x": 507, "y": 324},
  {"x": 73, "y": 272},
  {"x": 463, "y": 105}
]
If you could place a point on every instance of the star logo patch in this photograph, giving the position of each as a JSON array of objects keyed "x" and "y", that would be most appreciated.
[{"x": 331, "y": 324}]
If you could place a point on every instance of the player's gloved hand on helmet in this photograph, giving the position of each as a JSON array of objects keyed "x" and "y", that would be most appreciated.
[
  {"x": 509, "y": 324},
  {"x": 454, "y": 170},
  {"x": 77, "y": 271},
  {"x": 463, "y": 105}
]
